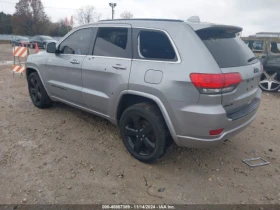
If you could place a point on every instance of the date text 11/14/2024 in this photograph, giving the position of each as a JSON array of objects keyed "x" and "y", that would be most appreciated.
[{"x": 136, "y": 206}]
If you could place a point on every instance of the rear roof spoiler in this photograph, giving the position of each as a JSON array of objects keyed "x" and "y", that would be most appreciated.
[{"x": 211, "y": 26}]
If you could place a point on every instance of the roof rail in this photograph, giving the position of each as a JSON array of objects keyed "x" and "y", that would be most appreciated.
[
  {"x": 194, "y": 19},
  {"x": 144, "y": 19}
]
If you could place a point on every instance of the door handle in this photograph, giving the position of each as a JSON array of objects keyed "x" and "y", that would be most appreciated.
[
  {"x": 119, "y": 67},
  {"x": 74, "y": 61},
  {"x": 90, "y": 58}
]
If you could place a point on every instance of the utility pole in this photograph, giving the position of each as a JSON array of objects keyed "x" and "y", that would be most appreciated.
[{"x": 113, "y": 5}]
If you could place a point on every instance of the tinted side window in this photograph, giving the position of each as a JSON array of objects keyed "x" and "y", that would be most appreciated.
[
  {"x": 155, "y": 45},
  {"x": 77, "y": 43},
  {"x": 275, "y": 47},
  {"x": 112, "y": 42},
  {"x": 255, "y": 45}
]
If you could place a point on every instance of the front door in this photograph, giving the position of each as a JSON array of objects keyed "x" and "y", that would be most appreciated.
[
  {"x": 106, "y": 71},
  {"x": 64, "y": 69}
]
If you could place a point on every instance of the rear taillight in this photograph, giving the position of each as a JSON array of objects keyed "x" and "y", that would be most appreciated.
[{"x": 215, "y": 83}]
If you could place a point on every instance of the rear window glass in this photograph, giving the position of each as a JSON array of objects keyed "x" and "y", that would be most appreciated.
[{"x": 227, "y": 49}]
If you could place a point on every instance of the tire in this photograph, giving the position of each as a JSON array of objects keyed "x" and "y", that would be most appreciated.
[
  {"x": 144, "y": 132},
  {"x": 37, "y": 91},
  {"x": 44, "y": 46},
  {"x": 270, "y": 80}
]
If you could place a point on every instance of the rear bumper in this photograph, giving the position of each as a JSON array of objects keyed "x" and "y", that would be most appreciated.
[
  {"x": 187, "y": 141},
  {"x": 195, "y": 123}
]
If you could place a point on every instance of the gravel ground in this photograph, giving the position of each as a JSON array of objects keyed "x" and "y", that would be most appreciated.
[{"x": 64, "y": 155}]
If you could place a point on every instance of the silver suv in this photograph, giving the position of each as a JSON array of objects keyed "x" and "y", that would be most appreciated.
[{"x": 158, "y": 80}]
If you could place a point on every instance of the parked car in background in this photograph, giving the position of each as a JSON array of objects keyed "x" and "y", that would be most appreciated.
[
  {"x": 18, "y": 40},
  {"x": 268, "y": 51},
  {"x": 42, "y": 41},
  {"x": 158, "y": 80}
]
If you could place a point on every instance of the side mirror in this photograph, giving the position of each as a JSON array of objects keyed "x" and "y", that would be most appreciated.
[{"x": 51, "y": 47}]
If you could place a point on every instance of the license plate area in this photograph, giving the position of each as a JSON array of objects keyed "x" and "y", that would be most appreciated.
[{"x": 252, "y": 83}]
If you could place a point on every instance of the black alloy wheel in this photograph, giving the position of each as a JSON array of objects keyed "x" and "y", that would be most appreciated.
[
  {"x": 144, "y": 132},
  {"x": 37, "y": 91}
]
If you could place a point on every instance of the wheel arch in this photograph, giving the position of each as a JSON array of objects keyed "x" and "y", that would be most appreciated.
[
  {"x": 30, "y": 70},
  {"x": 130, "y": 97}
]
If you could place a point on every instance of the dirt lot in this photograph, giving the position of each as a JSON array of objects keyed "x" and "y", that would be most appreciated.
[{"x": 64, "y": 155}]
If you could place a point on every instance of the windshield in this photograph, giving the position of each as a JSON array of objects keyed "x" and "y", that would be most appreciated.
[
  {"x": 227, "y": 49},
  {"x": 47, "y": 38}
]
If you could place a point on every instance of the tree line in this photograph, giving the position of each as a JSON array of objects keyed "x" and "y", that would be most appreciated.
[{"x": 30, "y": 19}]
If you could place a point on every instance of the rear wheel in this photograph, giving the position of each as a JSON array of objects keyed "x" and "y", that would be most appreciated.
[
  {"x": 270, "y": 81},
  {"x": 37, "y": 91},
  {"x": 144, "y": 132}
]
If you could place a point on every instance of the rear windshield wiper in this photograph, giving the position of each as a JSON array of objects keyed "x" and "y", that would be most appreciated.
[{"x": 253, "y": 58}]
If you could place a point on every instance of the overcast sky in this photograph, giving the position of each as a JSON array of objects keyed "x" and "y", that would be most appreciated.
[{"x": 253, "y": 15}]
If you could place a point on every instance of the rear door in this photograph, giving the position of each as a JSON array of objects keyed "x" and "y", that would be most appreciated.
[
  {"x": 233, "y": 55},
  {"x": 106, "y": 71}
]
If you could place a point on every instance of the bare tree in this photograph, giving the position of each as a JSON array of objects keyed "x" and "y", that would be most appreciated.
[
  {"x": 30, "y": 18},
  {"x": 126, "y": 15},
  {"x": 87, "y": 14}
]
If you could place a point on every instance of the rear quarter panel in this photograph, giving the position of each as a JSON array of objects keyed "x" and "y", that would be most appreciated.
[{"x": 175, "y": 85}]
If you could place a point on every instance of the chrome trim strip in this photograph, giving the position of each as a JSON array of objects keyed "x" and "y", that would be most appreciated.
[
  {"x": 155, "y": 61},
  {"x": 92, "y": 26},
  {"x": 138, "y": 48},
  {"x": 99, "y": 56},
  {"x": 72, "y": 55},
  {"x": 143, "y": 60}
]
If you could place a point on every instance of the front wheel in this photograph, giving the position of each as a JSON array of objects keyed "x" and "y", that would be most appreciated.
[
  {"x": 37, "y": 91},
  {"x": 144, "y": 132},
  {"x": 270, "y": 81}
]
